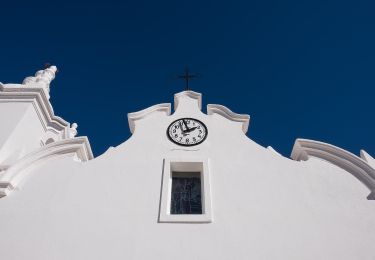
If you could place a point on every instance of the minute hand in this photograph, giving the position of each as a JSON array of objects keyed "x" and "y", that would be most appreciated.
[{"x": 186, "y": 127}]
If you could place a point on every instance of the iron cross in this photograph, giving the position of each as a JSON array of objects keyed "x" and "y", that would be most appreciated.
[{"x": 187, "y": 77}]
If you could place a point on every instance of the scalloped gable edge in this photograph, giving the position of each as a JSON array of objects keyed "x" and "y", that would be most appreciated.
[
  {"x": 368, "y": 158},
  {"x": 359, "y": 168},
  {"x": 229, "y": 114},
  {"x": 190, "y": 94},
  {"x": 134, "y": 116},
  {"x": 11, "y": 177},
  {"x": 38, "y": 97}
]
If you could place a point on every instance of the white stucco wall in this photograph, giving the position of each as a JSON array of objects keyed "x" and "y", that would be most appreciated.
[
  {"x": 10, "y": 116},
  {"x": 264, "y": 206},
  {"x": 10, "y": 113},
  {"x": 26, "y": 136}
]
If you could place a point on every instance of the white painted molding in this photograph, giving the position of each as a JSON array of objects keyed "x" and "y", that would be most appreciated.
[
  {"x": 270, "y": 148},
  {"x": 76, "y": 147},
  {"x": 353, "y": 164},
  {"x": 37, "y": 96},
  {"x": 368, "y": 158},
  {"x": 133, "y": 117},
  {"x": 228, "y": 114},
  {"x": 190, "y": 94}
]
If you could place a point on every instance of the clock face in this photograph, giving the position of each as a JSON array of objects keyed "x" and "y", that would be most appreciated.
[{"x": 187, "y": 131}]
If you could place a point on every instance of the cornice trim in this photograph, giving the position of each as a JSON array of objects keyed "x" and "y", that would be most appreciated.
[
  {"x": 36, "y": 96},
  {"x": 133, "y": 117},
  {"x": 359, "y": 168},
  {"x": 230, "y": 115},
  {"x": 12, "y": 176},
  {"x": 190, "y": 94}
]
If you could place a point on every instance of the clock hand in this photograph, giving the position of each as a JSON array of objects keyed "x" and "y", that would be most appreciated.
[
  {"x": 190, "y": 129},
  {"x": 187, "y": 128},
  {"x": 182, "y": 130}
]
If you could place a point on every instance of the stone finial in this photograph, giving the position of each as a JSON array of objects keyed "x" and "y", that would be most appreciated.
[
  {"x": 72, "y": 131},
  {"x": 42, "y": 79}
]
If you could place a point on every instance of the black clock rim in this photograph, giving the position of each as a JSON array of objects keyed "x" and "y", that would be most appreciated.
[{"x": 173, "y": 141}]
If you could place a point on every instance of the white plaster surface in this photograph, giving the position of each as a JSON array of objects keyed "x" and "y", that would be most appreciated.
[
  {"x": 25, "y": 137},
  {"x": 264, "y": 206},
  {"x": 10, "y": 113}
]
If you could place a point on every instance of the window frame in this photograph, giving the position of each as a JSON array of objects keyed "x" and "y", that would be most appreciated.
[{"x": 185, "y": 165}]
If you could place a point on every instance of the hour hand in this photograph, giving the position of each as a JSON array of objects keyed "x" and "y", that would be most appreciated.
[{"x": 191, "y": 129}]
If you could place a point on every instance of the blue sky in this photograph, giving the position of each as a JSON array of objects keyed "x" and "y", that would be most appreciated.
[{"x": 298, "y": 68}]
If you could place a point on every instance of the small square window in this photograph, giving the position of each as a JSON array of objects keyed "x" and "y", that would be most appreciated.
[{"x": 185, "y": 195}]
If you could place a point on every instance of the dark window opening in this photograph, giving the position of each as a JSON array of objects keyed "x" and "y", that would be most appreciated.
[{"x": 186, "y": 193}]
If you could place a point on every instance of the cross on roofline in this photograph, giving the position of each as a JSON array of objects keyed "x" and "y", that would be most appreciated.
[{"x": 187, "y": 77}]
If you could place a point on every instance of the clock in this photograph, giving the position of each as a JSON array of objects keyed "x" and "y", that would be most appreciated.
[{"x": 187, "y": 132}]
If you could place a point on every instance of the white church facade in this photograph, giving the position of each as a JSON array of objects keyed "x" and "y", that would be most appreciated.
[{"x": 185, "y": 185}]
